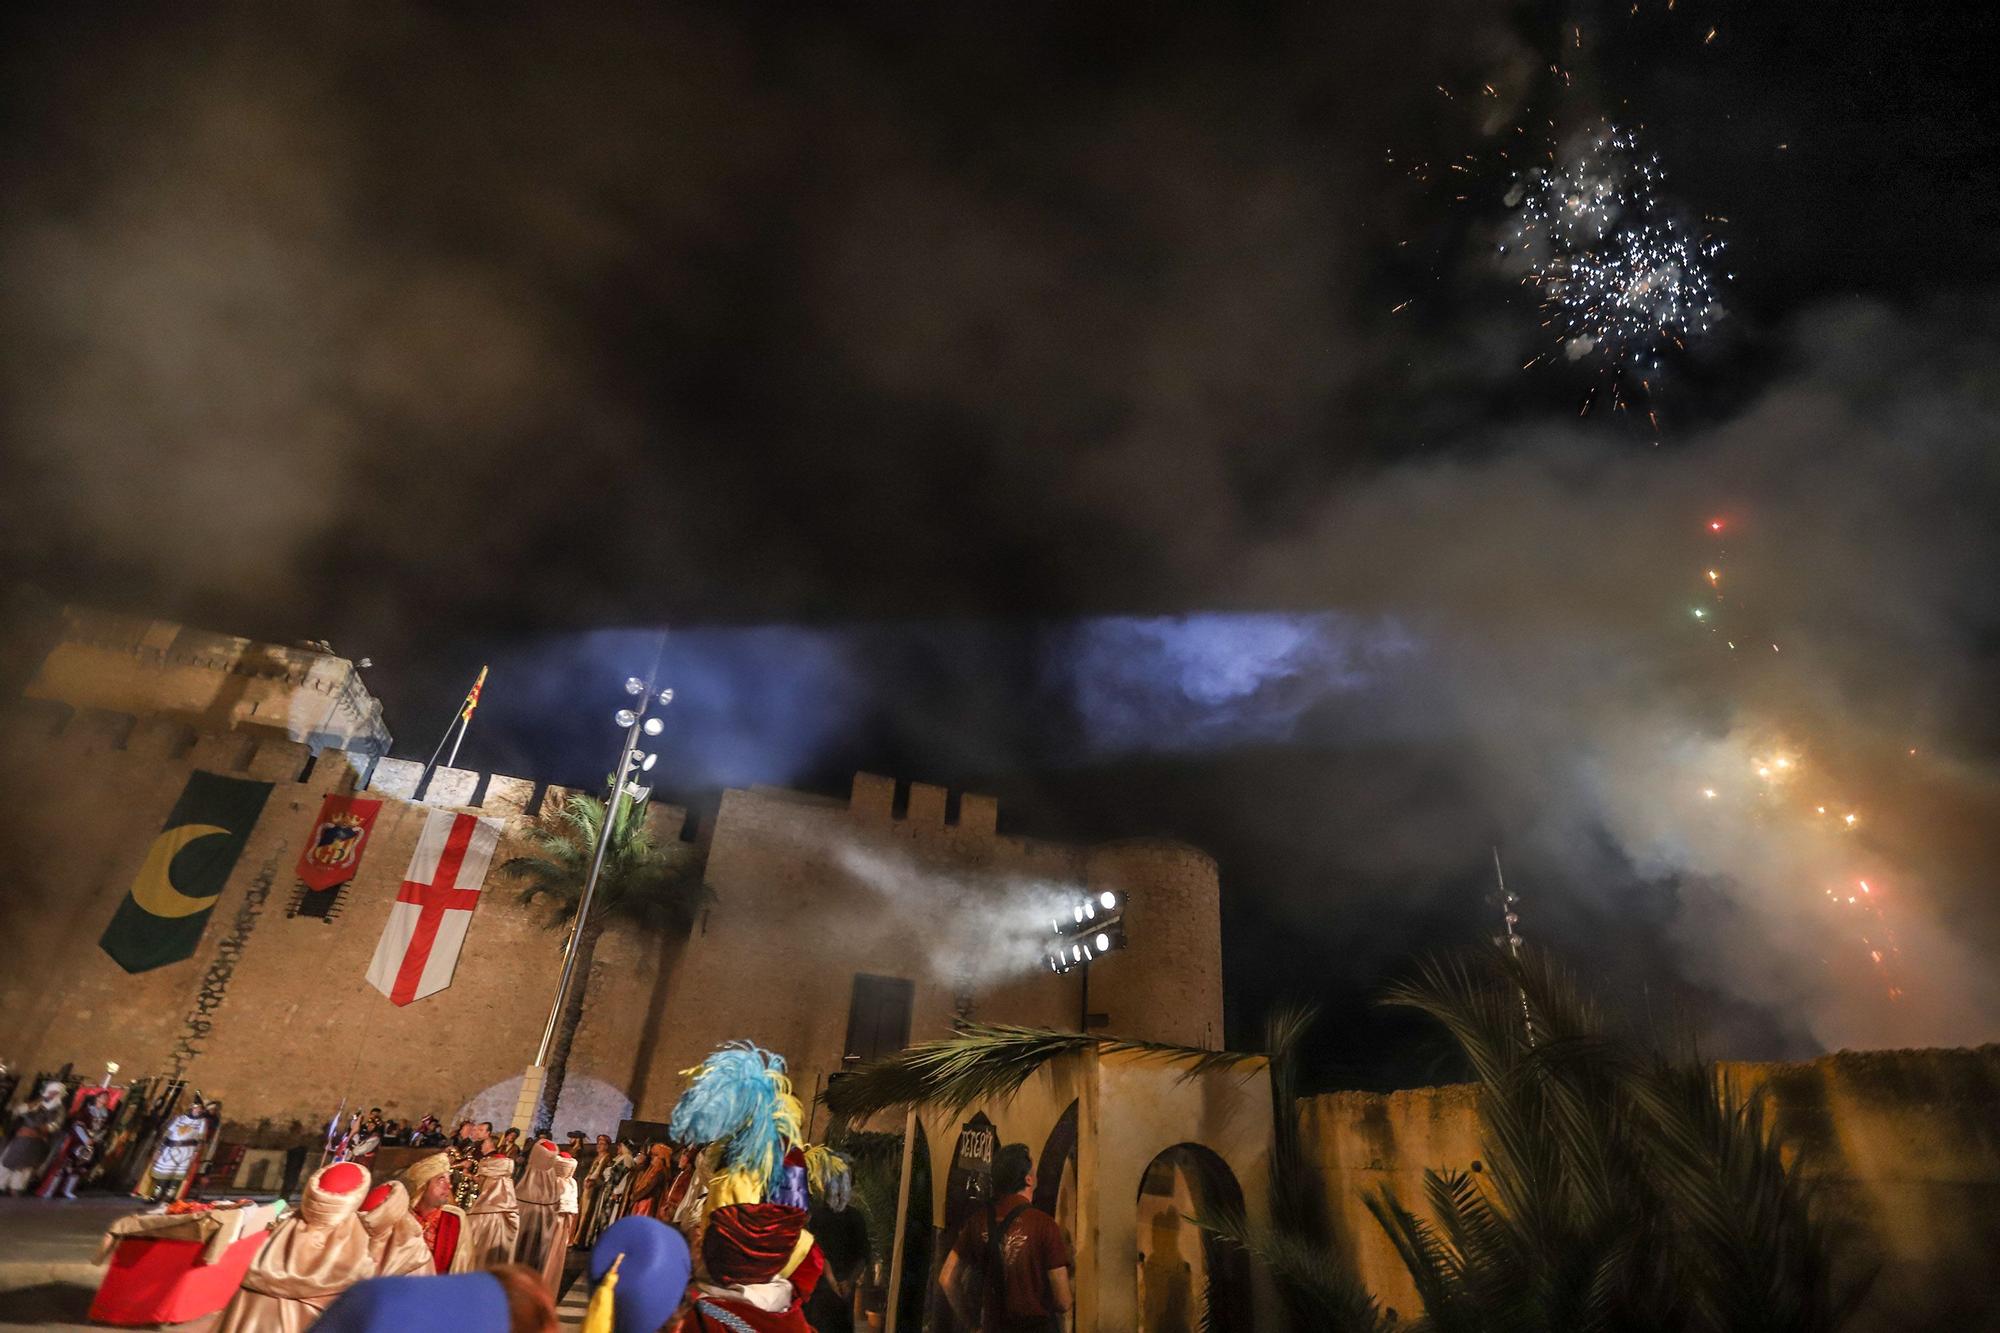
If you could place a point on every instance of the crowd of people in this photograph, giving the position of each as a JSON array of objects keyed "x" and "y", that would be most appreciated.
[
  {"x": 704, "y": 1233},
  {"x": 58, "y": 1139}
]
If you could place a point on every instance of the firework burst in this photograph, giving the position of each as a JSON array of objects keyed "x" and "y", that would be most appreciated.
[{"x": 1622, "y": 277}]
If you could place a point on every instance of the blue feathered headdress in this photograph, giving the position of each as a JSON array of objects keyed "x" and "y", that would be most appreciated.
[{"x": 741, "y": 1098}]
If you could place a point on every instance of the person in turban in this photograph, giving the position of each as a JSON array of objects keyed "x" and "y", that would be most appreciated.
[
  {"x": 566, "y": 1217},
  {"x": 539, "y": 1193},
  {"x": 395, "y": 1237},
  {"x": 493, "y": 1219},
  {"x": 442, "y": 1222},
  {"x": 311, "y": 1256}
]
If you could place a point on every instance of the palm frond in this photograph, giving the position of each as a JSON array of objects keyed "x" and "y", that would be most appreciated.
[
  {"x": 989, "y": 1062},
  {"x": 1324, "y": 1297},
  {"x": 654, "y": 884},
  {"x": 1625, "y": 1191}
]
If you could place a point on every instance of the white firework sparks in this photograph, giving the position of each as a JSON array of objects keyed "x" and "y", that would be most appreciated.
[{"x": 1622, "y": 276}]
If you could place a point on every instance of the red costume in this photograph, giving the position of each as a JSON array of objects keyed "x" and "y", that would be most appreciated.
[
  {"x": 758, "y": 1261},
  {"x": 444, "y": 1226}
]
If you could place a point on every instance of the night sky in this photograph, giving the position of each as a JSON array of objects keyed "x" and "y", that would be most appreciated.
[{"x": 1117, "y": 409}]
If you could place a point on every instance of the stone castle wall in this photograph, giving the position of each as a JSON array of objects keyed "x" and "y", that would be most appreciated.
[
  {"x": 1905, "y": 1146},
  {"x": 213, "y": 682},
  {"x": 272, "y": 1014}
]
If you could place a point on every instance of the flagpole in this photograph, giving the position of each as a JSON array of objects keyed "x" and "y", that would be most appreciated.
[{"x": 461, "y": 722}]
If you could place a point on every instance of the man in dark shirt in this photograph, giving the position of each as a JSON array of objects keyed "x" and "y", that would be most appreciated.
[{"x": 1030, "y": 1293}]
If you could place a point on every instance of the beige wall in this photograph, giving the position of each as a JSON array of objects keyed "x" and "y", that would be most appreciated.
[
  {"x": 776, "y": 956},
  {"x": 297, "y": 1027},
  {"x": 1130, "y": 1110},
  {"x": 1906, "y": 1145}
]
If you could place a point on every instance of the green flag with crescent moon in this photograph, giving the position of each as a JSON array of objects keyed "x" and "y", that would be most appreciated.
[{"x": 162, "y": 917}]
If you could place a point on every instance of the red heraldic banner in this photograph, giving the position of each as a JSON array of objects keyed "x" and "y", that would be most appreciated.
[
  {"x": 333, "y": 853},
  {"x": 419, "y": 947}
]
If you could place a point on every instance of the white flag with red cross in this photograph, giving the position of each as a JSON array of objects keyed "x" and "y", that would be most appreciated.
[{"x": 419, "y": 947}]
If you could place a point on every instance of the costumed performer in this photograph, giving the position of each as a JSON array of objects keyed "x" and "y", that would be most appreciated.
[
  {"x": 312, "y": 1256},
  {"x": 591, "y": 1184},
  {"x": 79, "y": 1149},
  {"x": 429, "y": 1181},
  {"x": 396, "y": 1243},
  {"x": 558, "y": 1255},
  {"x": 493, "y": 1218},
  {"x": 538, "y": 1196},
  {"x": 649, "y": 1184},
  {"x": 506, "y": 1300},
  {"x": 179, "y": 1154},
  {"x": 607, "y": 1205},
  {"x": 36, "y": 1125},
  {"x": 757, "y": 1262},
  {"x": 638, "y": 1274}
]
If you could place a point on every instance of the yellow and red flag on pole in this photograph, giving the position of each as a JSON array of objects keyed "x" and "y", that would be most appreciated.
[{"x": 472, "y": 696}]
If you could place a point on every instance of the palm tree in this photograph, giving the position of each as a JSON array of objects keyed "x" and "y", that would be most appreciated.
[
  {"x": 652, "y": 883},
  {"x": 1620, "y": 1190}
]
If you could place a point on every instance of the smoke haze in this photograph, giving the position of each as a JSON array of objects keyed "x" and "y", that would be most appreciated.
[{"x": 1014, "y": 400}]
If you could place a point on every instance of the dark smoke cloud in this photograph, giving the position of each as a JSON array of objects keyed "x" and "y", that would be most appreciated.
[{"x": 1027, "y": 379}]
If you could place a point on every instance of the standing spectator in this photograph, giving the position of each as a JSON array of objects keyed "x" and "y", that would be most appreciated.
[
  {"x": 367, "y": 1138},
  {"x": 1009, "y": 1270},
  {"x": 607, "y": 1205},
  {"x": 593, "y": 1182}
]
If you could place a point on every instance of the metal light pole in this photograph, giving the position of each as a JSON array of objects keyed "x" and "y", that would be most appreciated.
[
  {"x": 1512, "y": 939},
  {"x": 631, "y": 761}
]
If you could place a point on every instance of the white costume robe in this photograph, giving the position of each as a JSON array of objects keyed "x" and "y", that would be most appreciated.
[
  {"x": 493, "y": 1219},
  {"x": 311, "y": 1257}
]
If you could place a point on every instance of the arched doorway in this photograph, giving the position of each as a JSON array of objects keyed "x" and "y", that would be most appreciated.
[
  {"x": 1055, "y": 1174},
  {"x": 1188, "y": 1281}
]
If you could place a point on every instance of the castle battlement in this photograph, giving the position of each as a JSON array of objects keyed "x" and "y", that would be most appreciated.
[
  {"x": 217, "y": 681},
  {"x": 825, "y": 908}
]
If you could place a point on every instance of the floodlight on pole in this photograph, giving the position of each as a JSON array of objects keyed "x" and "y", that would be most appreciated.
[
  {"x": 632, "y": 760},
  {"x": 1093, "y": 926}
]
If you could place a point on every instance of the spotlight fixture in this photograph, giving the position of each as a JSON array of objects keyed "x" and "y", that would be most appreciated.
[
  {"x": 654, "y": 726},
  {"x": 624, "y": 717},
  {"x": 1093, "y": 926},
  {"x": 634, "y": 686}
]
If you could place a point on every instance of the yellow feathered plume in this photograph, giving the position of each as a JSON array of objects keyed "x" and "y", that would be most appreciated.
[{"x": 597, "y": 1319}]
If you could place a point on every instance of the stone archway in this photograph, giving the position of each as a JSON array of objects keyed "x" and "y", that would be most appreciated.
[
  {"x": 1188, "y": 1281},
  {"x": 1055, "y": 1174}
]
